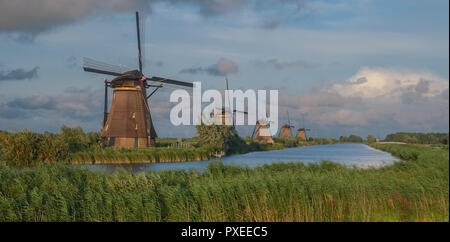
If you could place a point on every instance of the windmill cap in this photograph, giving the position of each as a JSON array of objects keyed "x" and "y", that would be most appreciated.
[{"x": 129, "y": 75}]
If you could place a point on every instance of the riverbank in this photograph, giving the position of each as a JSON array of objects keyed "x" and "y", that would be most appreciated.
[
  {"x": 176, "y": 150},
  {"x": 416, "y": 189},
  {"x": 74, "y": 146}
]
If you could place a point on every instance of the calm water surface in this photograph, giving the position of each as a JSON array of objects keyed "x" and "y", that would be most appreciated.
[{"x": 350, "y": 154}]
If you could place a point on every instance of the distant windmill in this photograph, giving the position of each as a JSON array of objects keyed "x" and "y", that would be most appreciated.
[
  {"x": 285, "y": 130},
  {"x": 261, "y": 133},
  {"x": 221, "y": 114},
  {"x": 301, "y": 132},
  {"x": 129, "y": 123}
]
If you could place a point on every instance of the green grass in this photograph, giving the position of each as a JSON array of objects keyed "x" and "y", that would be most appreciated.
[{"x": 413, "y": 190}]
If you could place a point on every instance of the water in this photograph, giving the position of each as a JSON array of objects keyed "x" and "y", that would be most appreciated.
[{"x": 359, "y": 155}]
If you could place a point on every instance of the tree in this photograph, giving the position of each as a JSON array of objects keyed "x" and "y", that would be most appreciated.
[
  {"x": 355, "y": 139},
  {"x": 220, "y": 138},
  {"x": 370, "y": 138}
]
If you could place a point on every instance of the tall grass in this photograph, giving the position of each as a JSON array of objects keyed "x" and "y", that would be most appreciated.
[
  {"x": 413, "y": 190},
  {"x": 142, "y": 155}
]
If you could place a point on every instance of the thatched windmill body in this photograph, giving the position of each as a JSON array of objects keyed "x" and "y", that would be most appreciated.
[
  {"x": 301, "y": 132},
  {"x": 223, "y": 114},
  {"x": 129, "y": 123},
  {"x": 262, "y": 132},
  {"x": 285, "y": 130}
]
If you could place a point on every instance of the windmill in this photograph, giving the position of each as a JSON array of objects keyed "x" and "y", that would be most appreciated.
[
  {"x": 301, "y": 132},
  {"x": 129, "y": 122},
  {"x": 221, "y": 114},
  {"x": 261, "y": 133},
  {"x": 285, "y": 130}
]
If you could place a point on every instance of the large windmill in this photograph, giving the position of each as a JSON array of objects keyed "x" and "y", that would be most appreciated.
[{"x": 129, "y": 123}]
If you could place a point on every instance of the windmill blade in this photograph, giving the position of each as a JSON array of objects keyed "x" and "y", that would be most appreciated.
[
  {"x": 170, "y": 88},
  {"x": 88, "y": 69},
  {"x": 139, "y": 41},
  {"x": 95, "y": 66},
  {"x": 170, "y": 81},
  {"x": 253, "y": 133},
  {"x": 244, "y": 112}
]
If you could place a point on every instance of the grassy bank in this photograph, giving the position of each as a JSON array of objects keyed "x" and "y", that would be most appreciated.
[{"x": 414, "y": 190}]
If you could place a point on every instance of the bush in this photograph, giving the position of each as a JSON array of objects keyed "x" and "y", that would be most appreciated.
[
  {"x": 352, "y": 139},
  {"x": 26, "y": 148},
  {"x": 418, "y": 138},
  {"x": 220, "y": 138}
]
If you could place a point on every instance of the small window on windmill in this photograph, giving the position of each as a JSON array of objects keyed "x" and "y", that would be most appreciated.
[
  {"x": 133, "y": 115},
  {"x": 136, "y": 128}
]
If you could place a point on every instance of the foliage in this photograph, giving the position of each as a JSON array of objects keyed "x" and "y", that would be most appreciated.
[
  {"x": 418, "y": 138},
  {"x": 412, "y": 190},
  {"x": 370, "y": 138},
  {"x": 351, "y": 139},
  {"x": 27, "y": 148},
  {"x": 321, "y": 141},
  {"x": 220, "y": 138},
  {"x": 287, "y": 141}
]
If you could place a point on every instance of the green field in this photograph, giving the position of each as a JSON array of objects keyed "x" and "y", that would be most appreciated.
[{"x": 416, "y": 189}]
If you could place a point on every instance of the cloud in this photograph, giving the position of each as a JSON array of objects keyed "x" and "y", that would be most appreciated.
[
  {"x": 390, "y": 83},
  {"x": 409, "y": 100},
  {"x": 80, "y": 104},
  {"x": 223, "y": 67},
  {"x": 72, "y": 62},
  {"x": 19, "y": 74},
  {"x": 216, "y": 7},
  {"x": 279, "y": 65},
  {"x": 26, "y": 18},
  {"x": 37, "y": 16},
  {"x": 270, "y": 23}
]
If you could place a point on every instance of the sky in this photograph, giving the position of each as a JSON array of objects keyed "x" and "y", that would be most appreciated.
[{"x": 341, "y": 66}]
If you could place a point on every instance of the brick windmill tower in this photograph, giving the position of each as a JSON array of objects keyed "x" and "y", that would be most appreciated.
[
  {"x": 285, "y": 130},
  {"x": 129, "y": 123},
  {"x": 301, "y": 132}
]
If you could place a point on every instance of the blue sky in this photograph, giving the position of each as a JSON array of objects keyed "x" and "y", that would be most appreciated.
[{"x": 344, "y": 67}]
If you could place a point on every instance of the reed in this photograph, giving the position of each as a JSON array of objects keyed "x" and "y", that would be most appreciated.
[
  {"x": 416, "y": 189},
  {"x": 141, "y": 155}
]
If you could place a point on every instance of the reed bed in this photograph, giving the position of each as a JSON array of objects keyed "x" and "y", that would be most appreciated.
[
  {"x": 141, "y": 155},
  {"x": 416, "y": 189}
]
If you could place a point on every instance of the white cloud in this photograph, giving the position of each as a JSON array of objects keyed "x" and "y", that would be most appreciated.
[
  {"x": 387, "y": 83},
  {"x": 411, "y": 99}
]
